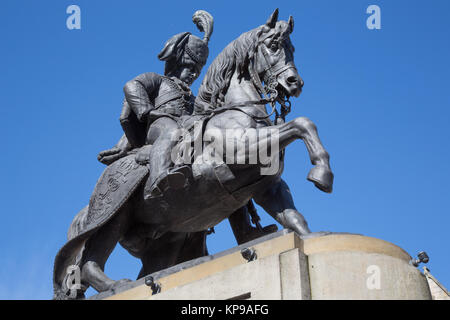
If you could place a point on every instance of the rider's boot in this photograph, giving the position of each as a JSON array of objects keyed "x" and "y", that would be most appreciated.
[
  {"x": 178, "y": 176},
  {"x": 174, "y": 179}
]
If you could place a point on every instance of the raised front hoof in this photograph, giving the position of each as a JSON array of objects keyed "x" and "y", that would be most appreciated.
[{"x": 322, "y": 177}]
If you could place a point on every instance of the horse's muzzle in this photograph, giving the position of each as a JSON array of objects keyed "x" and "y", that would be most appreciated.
[{"x": 291, "y": 82}]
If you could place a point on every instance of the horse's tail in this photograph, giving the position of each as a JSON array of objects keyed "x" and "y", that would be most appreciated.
[
  {"x": 59, "y": 294},
  {"x": 78, "y": 224},
  {"x": 70, "y": 257}
]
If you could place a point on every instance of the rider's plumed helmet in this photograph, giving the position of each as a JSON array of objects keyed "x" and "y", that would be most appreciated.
[{"x": 187, "y": 46}]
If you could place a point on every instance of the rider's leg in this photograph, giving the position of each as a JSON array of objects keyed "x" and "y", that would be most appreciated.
[
  {"x": 164, "y": 135},
  {"x": 97, "y": 250}
]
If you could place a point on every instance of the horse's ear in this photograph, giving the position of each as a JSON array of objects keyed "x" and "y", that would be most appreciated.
[
  {"x": 272, "y": 19},
  {"x": 291, "y": 24}
]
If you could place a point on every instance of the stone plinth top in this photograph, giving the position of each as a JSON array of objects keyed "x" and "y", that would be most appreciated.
[
  {"x": 352, "y": 242},
  {"x": 270, "y": 245}
]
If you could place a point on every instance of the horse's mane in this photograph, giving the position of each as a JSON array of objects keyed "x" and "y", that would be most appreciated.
[{"x": 234, "y": 57}]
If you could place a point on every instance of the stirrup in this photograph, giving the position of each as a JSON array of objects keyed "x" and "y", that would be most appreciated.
[
  {"x": 174, "y": 179},
  {"x": 155, "y": 192},
  {"x": 177, "y": 177},
  {"x": 158, "y": 187}
]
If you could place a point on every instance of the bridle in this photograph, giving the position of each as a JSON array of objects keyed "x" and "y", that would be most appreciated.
[{"x": 268, "y": 91}]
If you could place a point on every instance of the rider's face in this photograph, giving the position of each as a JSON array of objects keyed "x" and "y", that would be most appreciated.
[{"x": 189, "y": 72}]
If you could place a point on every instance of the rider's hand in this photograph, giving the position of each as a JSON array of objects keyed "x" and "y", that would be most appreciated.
[
  {"x": 143, "y": 155},
  {"x": 109, "y": 156}
]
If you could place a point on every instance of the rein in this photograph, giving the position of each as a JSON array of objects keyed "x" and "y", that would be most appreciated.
[
  {"x": 285, "y": 105},
  {"x": 235, "y": 106}
]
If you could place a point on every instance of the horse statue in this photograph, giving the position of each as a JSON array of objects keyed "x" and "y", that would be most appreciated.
[{"x": 254, "y": 70}]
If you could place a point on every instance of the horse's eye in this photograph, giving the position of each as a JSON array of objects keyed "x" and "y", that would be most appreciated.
[{"x": 274, "y": 46}]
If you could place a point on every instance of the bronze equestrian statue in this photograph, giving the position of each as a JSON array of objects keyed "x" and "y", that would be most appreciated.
[{"x": 165, "y": 226}]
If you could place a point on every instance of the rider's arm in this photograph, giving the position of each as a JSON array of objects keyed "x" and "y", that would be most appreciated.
[
  {"x": 123, "y": 144},
  {"x": 138, "y": 92}
]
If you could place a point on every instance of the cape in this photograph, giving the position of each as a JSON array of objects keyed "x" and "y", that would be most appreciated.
[{"x": 115, "y": 186}]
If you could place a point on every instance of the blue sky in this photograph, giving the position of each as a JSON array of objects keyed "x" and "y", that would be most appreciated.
[{"x": 379, "y": 98}]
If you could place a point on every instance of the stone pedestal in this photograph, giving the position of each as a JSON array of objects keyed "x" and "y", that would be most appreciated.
[{"x": 336, "y": 266}]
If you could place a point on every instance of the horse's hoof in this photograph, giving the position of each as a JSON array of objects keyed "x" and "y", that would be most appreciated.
[
  {"x": 322, "y": 177},
  {"x": 254, "y": 233},
  {"x": 270, "y": 229}
]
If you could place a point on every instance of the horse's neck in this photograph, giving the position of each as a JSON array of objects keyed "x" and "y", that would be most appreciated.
[{"x": 241, "y": 90}]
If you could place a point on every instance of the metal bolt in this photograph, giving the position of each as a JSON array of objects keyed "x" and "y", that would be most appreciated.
[
  {"x": 154, "y": 286},
  {"x": 249, "y": 254},
  {"x": 422, "y": 257}
]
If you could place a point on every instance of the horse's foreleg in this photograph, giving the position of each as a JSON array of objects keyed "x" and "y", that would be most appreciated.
[
  {"x": 304, "y": 129},
  {"x": 97, "y": 250},
  {"x": 277, "y": 201}
]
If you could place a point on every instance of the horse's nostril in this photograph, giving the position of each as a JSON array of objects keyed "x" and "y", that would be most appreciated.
[
  {"x": 291, "y": 80},
  {"x": 302, "y": 83}
]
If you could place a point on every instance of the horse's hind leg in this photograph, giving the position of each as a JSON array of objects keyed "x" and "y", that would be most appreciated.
[
  {"x": 97, "y": 250},
  {"x": 277, "y": 201},
  {"x": 194, "y": 246},
  {"x": 168, "y": 250},
  {"x": 243, "y": 230}
]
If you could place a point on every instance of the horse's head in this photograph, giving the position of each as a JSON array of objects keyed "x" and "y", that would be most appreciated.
[
  {"x": 266, "y": 53},
  {"x": 274, "y": 58}
]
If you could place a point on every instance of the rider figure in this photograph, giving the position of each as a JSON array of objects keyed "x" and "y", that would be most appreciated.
[{"x": 154, "y": 106}]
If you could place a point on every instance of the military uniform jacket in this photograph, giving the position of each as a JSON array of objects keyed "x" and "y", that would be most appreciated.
[{"x": 151, "y": 91}]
